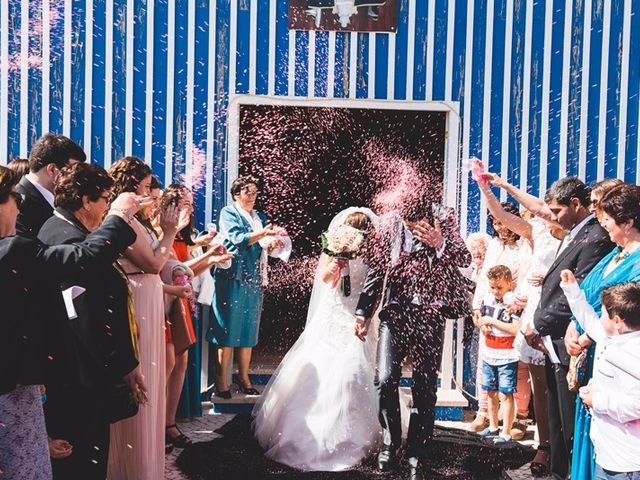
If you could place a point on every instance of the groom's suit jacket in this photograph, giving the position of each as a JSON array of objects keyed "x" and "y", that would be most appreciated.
[
  {"x": 581, "y": 254},
  {"x": 423, "y": 277}
]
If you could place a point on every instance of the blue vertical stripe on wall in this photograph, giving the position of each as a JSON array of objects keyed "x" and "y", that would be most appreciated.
[
  {"x": 594, "y": 91},
  {"x": 535, "y": 97},
  {"x": 282, "y": 48},
  {"x": 321, "y": 64},
  {"x": 340, "y": 87},
  {"x": 160, "y": 88},
  {"x": 98, "y": 75},
  {"x": 262, "y": 48},
  {"x": 13, "y": 114},
  {"x": 459, "y": 53},
  {"x": 242, "y": 47},
  {"x": 301, "y": 64},
  {"x": 77, "y": 71},
  {"x": 56, "y": 70},
  {"x": 613, "y": 89},
  {"x": 362, "y": 76},
  {"x": 382, "y": 66},
  {"x": 139, "y": 78},
  {"x": 515, "y": 98},
  {"x": 400, "y": 84},
  {"x": 497, "y": 73},
  {"x": 420, "y": 53},
  {"x": 200, "y": 106},
  {"x": 475, "y": 103},
  {"x": 440, "y": 49},
  {"x": 575, "y": 86},
  {"x": 555, "y": 96},
  {"x": 35, "y": 76},
  {"x": 633, "y": 98},
  {"x": 222, "y": 97},
  {"x": 119, "y": 78},
  {"x": 178, "y": 156}
]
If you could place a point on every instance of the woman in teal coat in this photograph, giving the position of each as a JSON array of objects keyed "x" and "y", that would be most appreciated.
[
  {"x": 237, "y": 297},
  {"x": 619, "y": 213}
]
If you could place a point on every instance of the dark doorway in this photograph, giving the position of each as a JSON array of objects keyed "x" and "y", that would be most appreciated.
[{"x": 314, "y": 162}]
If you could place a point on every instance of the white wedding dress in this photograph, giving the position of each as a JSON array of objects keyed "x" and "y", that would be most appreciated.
[{"x": 319, "y": 411}]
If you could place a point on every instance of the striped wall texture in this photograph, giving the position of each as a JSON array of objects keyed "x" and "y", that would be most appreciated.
[{"x": 544, "y": 88}]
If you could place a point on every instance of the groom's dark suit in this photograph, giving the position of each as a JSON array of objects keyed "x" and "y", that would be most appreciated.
[
  {"x": 423, "y": 287},
  {"x": 552, "y": 317}
]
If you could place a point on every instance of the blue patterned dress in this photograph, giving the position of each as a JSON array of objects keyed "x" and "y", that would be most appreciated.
[{"x": 583, "y": 459}]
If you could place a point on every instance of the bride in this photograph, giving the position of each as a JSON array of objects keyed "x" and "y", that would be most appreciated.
[{"x": 319, "y": 410}]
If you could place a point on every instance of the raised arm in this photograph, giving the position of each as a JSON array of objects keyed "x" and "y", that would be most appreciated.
[
  {"x": 151, "y": 260},
  {"x": 583, "y": 312},
  {"x": 535, "y": 205},
  {"x": 512, "y": 222}
]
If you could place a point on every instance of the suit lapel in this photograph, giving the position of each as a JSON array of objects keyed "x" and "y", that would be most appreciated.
[{"x": 573, "y": 244}]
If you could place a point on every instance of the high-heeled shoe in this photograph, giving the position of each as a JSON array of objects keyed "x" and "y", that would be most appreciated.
[
  {"x": 250, "y": 390},
  {"x": 181, "y": 441},
  {"x": 224, "y": 394}
]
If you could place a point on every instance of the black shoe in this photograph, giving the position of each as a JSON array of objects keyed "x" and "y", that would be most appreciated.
[
  {"x": 225, "y": 394},
  {"x": 248, "y": 390},
  {"x": 181, "y": 441},
  {"x": 387, "y": 457}
]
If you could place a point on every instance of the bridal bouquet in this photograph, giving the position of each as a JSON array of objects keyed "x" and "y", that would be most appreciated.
[{"x": 343, "y": 243}]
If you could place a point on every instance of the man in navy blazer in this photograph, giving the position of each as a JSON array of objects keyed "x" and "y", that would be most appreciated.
[
  {"x": 48, "y": 156},
  {"x": 584, "y": 246}
]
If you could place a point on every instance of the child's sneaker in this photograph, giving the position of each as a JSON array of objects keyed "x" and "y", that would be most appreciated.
[
  {"x": 489, "y": 432},
  {"x": 502, "y": 439}
]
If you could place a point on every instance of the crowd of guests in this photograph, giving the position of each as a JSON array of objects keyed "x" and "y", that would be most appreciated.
[
  {"x": 557, "y": 306},
  {"x": 99, "y": 267},
  {"x": 98, "y": 273}
]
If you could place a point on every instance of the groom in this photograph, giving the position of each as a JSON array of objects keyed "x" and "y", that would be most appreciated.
[{"x": 420, "y": 252}]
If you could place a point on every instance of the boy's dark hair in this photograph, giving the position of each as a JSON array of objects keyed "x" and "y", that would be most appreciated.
[
  {"x": 623, "y": 300},
  {"x": 563, "y": 190},
  {"x": 56, "y": 149},
  {"x": 500, "y": 272}
]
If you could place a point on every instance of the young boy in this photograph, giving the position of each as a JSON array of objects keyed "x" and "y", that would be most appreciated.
[
  {"x": 499, "y": 357},
  {"x": 613, "y": 394}
]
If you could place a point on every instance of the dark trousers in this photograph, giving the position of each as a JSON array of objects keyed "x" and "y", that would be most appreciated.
[
  {"x": 562, "y": 411},
  {"x": 76, "y": 414},
  {"x": 418, "y": 332}
]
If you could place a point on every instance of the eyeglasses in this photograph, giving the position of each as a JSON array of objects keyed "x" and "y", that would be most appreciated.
[
  {"x": 251, "y": 193},
  {"x": 18, "y": 197}
]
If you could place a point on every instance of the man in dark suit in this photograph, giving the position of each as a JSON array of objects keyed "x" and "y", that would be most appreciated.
[
  {"x": 419, "y": 256},
  {"x": 48, "y": 156},
  {"x": 99, "y": 337},
  {"x": 584, "y": 246}
]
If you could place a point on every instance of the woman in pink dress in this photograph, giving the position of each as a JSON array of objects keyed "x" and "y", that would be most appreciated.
[{"x": 137, "y": 443}]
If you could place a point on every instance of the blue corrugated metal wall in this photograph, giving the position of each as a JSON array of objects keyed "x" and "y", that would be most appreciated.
[{"x": 545, "y": 88}]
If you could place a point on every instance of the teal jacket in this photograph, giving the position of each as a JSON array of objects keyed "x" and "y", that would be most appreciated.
[{"x": 246, "y": 260}]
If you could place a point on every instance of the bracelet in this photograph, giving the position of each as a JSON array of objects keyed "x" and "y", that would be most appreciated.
[{"x": 122, "y": 212}]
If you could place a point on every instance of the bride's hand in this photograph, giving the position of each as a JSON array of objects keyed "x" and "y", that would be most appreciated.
[{"x": 361, "y": 327}]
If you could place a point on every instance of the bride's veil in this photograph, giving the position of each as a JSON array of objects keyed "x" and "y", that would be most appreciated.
[{"x": 321, "y": 290}]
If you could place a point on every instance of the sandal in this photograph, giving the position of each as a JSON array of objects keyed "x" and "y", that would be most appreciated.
[
  {"x": 181, "y": 441},
  {"x": 540, "y": 464}
]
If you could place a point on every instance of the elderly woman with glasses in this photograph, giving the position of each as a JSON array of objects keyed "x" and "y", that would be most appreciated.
[
  {"x": 32, "y": 349},
  {"x": 237, "y": 298}
]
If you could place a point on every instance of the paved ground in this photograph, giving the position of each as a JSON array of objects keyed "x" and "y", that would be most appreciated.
[{"x": 202, "y": 429}]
